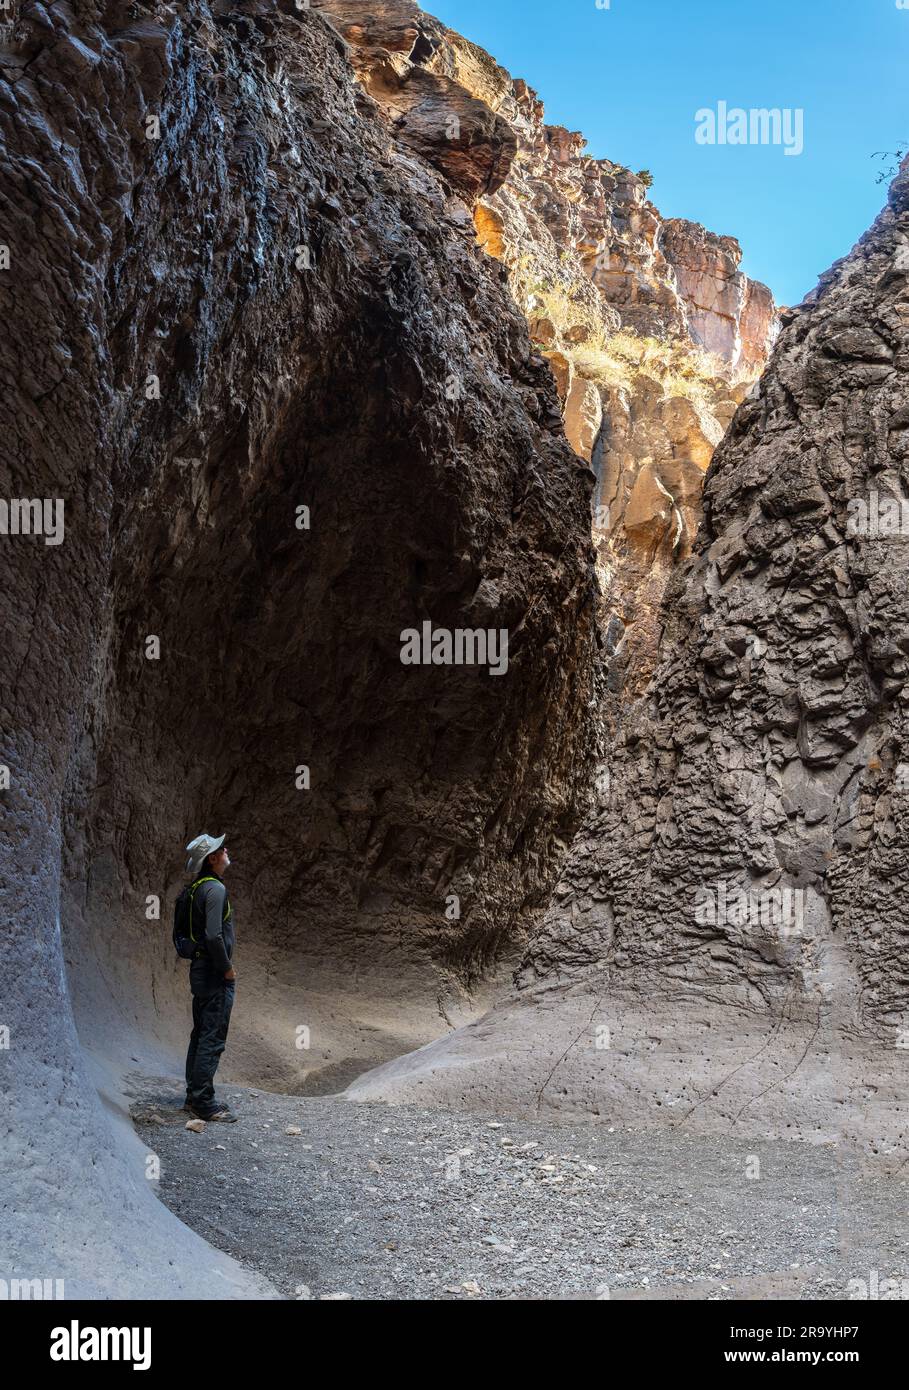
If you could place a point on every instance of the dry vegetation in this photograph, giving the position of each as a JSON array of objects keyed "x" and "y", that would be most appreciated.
[{"x": 618, "y": 359}]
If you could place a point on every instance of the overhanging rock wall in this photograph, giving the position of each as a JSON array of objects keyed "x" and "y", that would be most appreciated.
[{"x": 234, "y": 292}]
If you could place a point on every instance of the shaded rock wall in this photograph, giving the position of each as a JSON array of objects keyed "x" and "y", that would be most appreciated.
[
  {"x": 770, "y": 748},
  {"x": 236, "y": 290}
]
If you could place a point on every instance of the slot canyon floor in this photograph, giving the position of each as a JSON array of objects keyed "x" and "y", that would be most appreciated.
[{"x": 372, "y": 1201}]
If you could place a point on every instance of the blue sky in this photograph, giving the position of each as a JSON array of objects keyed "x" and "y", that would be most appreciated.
[{"x": 632, "y": 76}]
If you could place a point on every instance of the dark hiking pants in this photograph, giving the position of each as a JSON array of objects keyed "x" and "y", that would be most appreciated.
[{"x": 211, "y": 1019}]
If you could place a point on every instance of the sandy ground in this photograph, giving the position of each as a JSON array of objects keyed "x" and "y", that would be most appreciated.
[{"x": 378, "y": 1202}]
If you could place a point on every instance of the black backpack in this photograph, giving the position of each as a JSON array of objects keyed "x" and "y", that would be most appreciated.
[{"x": 185, "y": 943}]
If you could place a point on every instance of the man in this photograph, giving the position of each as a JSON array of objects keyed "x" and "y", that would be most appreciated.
[{"x": 211, "y": 976}]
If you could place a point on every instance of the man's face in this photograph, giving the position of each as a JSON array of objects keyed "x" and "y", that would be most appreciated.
[{"x": 219, "y": 861}]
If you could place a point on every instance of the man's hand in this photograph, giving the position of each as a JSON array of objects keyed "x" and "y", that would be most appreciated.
[{"x": 231, "y": 974}]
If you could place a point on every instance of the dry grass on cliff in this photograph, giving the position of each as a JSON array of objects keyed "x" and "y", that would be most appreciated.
[
  {"x": 565, "y": 313},
  {"x": 620, "y": 359}
]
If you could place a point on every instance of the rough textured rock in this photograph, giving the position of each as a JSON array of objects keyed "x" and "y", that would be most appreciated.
[
  {"x": 451, "y": 121},
  {"x": 272, "y": 302},
  {"x": 552, "y": 213},
  {"x": 651, "y": 458},
  {"x": 564, "y": 218},
  {"x": 588, "y": 257},
  {"x": 768, "y": 758}
]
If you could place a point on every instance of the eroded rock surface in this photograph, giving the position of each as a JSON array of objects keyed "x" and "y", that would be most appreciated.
[
  {"x": 727, "y": 946},
  {"x": 652, "y": 333},
  {"x": 237, "y": 289},
  {"x": 562, "y": 217}
]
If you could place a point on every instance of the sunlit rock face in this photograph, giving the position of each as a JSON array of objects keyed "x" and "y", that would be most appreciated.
[
  {"x": 552, "y": 212},
  {"x": 726, "y": 313},
  {"x": 566, "y": 218},
  {"x": 726, "y": 948},
  {"x": 652, "y": 333}
]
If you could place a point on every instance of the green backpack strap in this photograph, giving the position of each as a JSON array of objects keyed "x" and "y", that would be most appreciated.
[{"x": 210, "y": 878}]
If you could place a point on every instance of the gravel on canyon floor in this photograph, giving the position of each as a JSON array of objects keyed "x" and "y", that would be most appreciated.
[{"x": 333, "y": 1199}]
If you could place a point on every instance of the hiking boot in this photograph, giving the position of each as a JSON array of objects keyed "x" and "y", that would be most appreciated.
[{"x": 221, "y": 1114}]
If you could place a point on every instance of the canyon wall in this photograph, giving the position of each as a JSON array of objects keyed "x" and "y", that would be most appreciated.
[
  {"x": 292, "y": 411},
  {"x": 321, "y": 334},
  {"x": 653, "y": 333},
  {"x": 726, "y": 948}
]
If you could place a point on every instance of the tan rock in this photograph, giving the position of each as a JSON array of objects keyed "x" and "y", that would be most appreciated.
[
  {"x": 725, "y": 312},
  {"x": 694, "y": 432},
  {"x": 475, "y": 69},
  {"x": 651, "y": 510},
  {"x": 563, "y": 371},
  {"x": 583, "y": 416},
  {"x": 543, "y": 330},
  {"x": 723, "y": 411},
  {"x": 741, "y": 391},
  {"x": 490, "y": 228}
]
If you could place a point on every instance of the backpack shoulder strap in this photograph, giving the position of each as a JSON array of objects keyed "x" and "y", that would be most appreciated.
[{"x": 209, "y": 878}]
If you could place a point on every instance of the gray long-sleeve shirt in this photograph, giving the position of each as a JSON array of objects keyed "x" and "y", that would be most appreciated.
[{"x": 220, "y": 934}]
